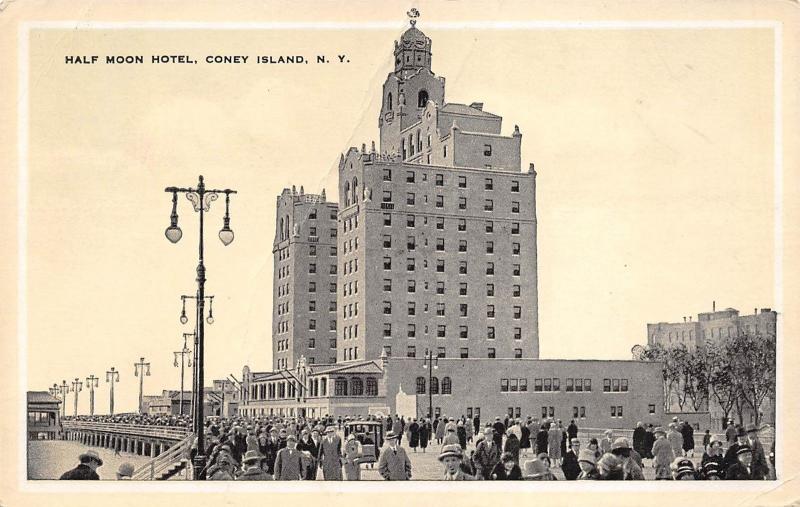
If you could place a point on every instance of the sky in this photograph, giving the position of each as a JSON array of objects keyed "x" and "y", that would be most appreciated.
[{"x": 653, "y": 150}]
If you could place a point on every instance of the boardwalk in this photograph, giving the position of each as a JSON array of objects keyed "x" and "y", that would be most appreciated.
[{"x": 48, "y": 459}]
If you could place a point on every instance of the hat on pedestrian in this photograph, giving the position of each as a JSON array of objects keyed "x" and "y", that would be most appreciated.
[
  {"x": 574, "y": 441},
  {"x": 450, "y": 450},
  {"x": 587, "y": 455},
  {"x": 90, "y": 455},
  {"x": 745, "y": 449},
  {"x": 711, "y": 469},
  {"x": 716, "y": 439},
  {"x": 252, "y": 456},
  {"x": 450, "y": 427},
  {"x": 740, "y": 432},
  {"x": 291, "y": 437},
  {"x": 620, "y": 444},
  {"x": 683, "y": 467},
  {"x": 497, "y": 418},
  {"x": 125, "y": 470},
  {"x": 751, "y": 428},
  {"x": 608, "y": 432},
  {"x": 534, "y": 468},
  {"x": 675, "y": 418},
  {"x": 330, "y": 429},
  {"x": 659, "y": 429},
  {"x": 391, "y": 435}
]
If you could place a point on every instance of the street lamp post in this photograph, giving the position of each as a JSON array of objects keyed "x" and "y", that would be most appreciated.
[
  {"x": 184, "y": 319},
  {"x": 64, "y": 387},
  {"x": 184, "y": 352},
  {"x": 91, "y": 383},
  {"x": 77, "y": 385},
  {"x": 112, "y": 376},
  {"x": 201, "y": 199},
  {"x": 144, "y": 369},
  {"x": 430, "y": 363}
]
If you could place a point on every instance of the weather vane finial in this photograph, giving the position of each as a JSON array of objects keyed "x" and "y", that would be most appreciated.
[{"x": 413, "y": 14}]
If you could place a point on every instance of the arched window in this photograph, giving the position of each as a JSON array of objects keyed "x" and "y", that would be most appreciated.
[
  {"x": 419, "y": 142},
  {"x": 355, "y": 190},
  {"x": 340, "y": 387},
  {"x": 282, "y": 230},
  {"x": 422, "y": 98},
  {"x": 420, "y": 385},
  {"x": 389, "y": 102},
  {"x": 323, "y": 386},
  {"x": 410, "y": 145},
  {"x": 356, "y": 387},
  {"x": 434, "y": 385},
  {"x": 287, "y": 226},
  {"x": 372, "y": 387},
  {"x": 347, "y": 193},
  {"x": 447, "y": 386}
]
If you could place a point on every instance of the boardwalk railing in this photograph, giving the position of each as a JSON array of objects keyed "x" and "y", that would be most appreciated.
[
  {"x": 172, "y": 460},
  {"x": 132, "y": 430},
  {"x": 766, "y": 434}
]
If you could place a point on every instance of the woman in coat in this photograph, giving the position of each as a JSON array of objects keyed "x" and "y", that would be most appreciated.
[
  {"x": 512, "y": 447},
  {"x": 413, "y": 435},
  {"x": 424, "y": 434},
  {"x": 461, "y": 431},
  {"x": 554, "y": 445},
  {"x": 541, "y": 439},
  {"x": 525, "y": 439},
  {"x": 440, "y": 431}
]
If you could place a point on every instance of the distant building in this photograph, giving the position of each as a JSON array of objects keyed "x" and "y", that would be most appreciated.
[
  {"x": 713, "y": 326},
  {"x": 44, "y": 416},
  {"x": 221, "y": 399}
]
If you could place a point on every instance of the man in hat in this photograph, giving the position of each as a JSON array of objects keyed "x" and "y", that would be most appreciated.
[
  {"x": 289, "y": 461},
  {"x": 87, "y": 468},
  {"x": 587, "y": 461},
  {"x": 730, "y": 433},
  {"x": 631, "y": 466},
  {"x": 639, "y": 434},
  {"x": 742, "y": 470},
  {"x": 252, "y": 467},
  {"x": 684, "y": 470},
  {"x": 730, "y": 454},
  {"x": 451, "y": 457},
  {"x": 394, "y": 465},
  {"x": 663, "y": 455},
  {"x": 759, "y": 465},
  {"x": 125, "y": 472},
  {"x": 675, "y": 439},
  {"x": 271, "y": 448},
  {"x": 499, "y": 431},
  {"x": 330, "y": 455},
  {"x": 570, "y": 465},
  {"x": 487, "y": 454}
]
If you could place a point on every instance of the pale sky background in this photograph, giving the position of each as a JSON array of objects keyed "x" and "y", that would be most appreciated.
[{"x": 653, "y": 150}]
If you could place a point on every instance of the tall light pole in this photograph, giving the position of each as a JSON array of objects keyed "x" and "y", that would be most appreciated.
[
  {"x": 112, "y": 376},
  {"x": 184, "y": 319},
  {"x": 140, "y": 370},
  {"x": 91, "y": 383},
  {"x": 185, "y": 361},
  {"x": 64, "y": 387},
  {"x": 430, "y": 363},
  {"x": 201, "y": 199},
  {"x": 77, "y": 385}
]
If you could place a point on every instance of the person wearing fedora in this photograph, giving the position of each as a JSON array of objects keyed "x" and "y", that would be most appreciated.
[
  {"x": 760, "y": 465},
  {"x": 394, "y": 465},
  {"x": 251, "y": 461},
  {"x": 330, "y": 455},
  {"x": 451, "y": 457},
  {"x": 289, "y": 462},
  {"x": 487, "y": 454},
  {"x": 731, "y": 454},
  {"x": 86, "y": 470},
  {"x": 663, "y": 455}
]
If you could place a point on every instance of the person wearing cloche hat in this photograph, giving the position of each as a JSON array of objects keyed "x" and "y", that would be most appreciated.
[
  {"x": 90, "y": 461},
  {"x": 663, "y": 454},
  {"x": 125, "y": 472},
  {"x": 393, "y": 464},
  {"x": 251, "y": 461},
  {"x": 712, "y": 460},
  {"x": 631, "y": 461},
  {"x": 537, "y": 470},
  {"x": 451, "y": 458},
  {"x": 587, "y": 461}
]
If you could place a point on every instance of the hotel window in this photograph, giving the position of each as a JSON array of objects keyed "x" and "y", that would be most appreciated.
[
  {"x": 440, "y": 352},
  {"x": 490, "y": 311},
  {"x": 312, "y": 287},
  {"x": 312, "y": 215},
  {"x": 333, "y": 268},
  {"x": 462, "y": 267},
  {"x": 412, "y": 308},
  {"x": 606, "y": 385},
  {"x": 411, "y": 331},
  {"x": 587, "y": 385},
  {"x": 411, "y": 243},
  {"x": 410, "y": 198},
  {"x": 420, "y": 385},
  {"x": 556, "y": 384},
  {"x": 462, "y": 203},
  {"x": 544, "y": 412},
  {"x": 515, "y": 269},
  {"x": 463, "y": 332},
  {"x": 514, "y": 185},
  {"x": 411, "y": 351},
  {"x": 537, "y": 385},
  {"x": 615, "y": 385},
  {"x": 491, "y": 353},
  {"x": 462, "y": 182},
  {"x": 490, "y": 333},
  {"x": 312, "y": 343},
  {"x": 440, "y": 288},
  {"x": 440, "y": 265},
  {"x": 462, "y": 225},
  {"x": 624, "y": 385},
  {"x": 332, "y": 343},
  {"x": 578, "y": 385},
  {"x": 523, "y": 385},
  {"x": 387, "y": 175},
  {"x": 514, "y": 227},
  {"x": 462, "y": 245},
  {"x": 409, "y": 176},
  {"x": 517, "y": 333},
  {"x": 462, "y": 289},
  {"x": 440, "y": 244},
  {"x": 440, "y": 223},
  {"x": 440, "y": 309},
  {"x": 440, "y": 177},
  {"x": 410, "y": 222},
  {"x": 312, "y": 324},
  {"x": 441, "y": 331},
  {"x": 387, "y": 330},
  {"x": 503, "y": 385},
  {"x": 447, "y": 385},
  {"x": 463, "y": 352},
  {"x": 340, "y": 387},
  {"x": 583, "y": 413},
  {"x": 490, "y": 247},
  {"x": 410, "y": 264},
  {"x": 548, "y": 384},
  {"x": 312, "y": 306},
  {"x": 517, "y": 353},
  {"x": 412, "y": 286},
  {"x": 462, "y": 309},
  {"x": 312, "y": 250},
  {"x": 651, "y": 409},
  {"x": 332, "y": 289},
  {"x": 332, "y": 326},
  {"x": 490, "y": 289},
  {"x": 488, "y": 184},
  {"x": 517, "y": 312},
  {"x": 333, "y": 249},
  {"x": 312, "y": 231},
  {"x": 514, "y": 206},
  {"x": 514, "y": 384},
  {"x": 387, "y": 196},
  {"x": 487, "y": 150},
  {"x": 490, "y": 268},
  {"x": 387, "y": 219},
  {"x": 440, "y": 201},
  {"x": 515, "y": 291},
  {"x": 387, "y": 285},
  {"x": 514, "y": 248},
  {"x": 489, "y": 227},
  {"x": 387, "y": 307},
  {"x": 488, "y": 205}
]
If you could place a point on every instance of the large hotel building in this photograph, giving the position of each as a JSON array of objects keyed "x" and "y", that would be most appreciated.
[{"x": 423, "y": 278}]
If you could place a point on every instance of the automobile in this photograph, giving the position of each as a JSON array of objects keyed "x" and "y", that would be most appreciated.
[{"x": 370, "y": 435}]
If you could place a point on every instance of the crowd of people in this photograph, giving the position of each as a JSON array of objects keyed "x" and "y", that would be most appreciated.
[{"x": 279, "y": 448}]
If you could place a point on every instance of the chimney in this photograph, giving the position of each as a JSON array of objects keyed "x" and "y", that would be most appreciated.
[
  {"x": 477, "y": 105},
  {"x": 713, "y": 306}
]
